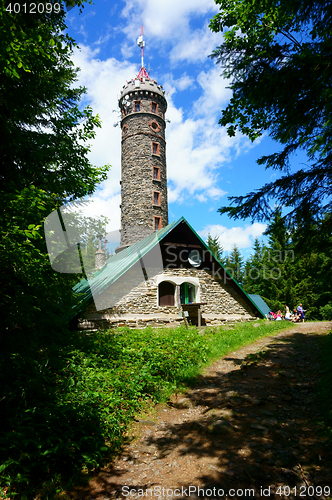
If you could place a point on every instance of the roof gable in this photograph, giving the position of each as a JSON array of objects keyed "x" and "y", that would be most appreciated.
[{"x": 117, "y": 265}]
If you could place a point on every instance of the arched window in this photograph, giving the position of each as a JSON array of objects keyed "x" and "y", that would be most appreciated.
[
  {"x": 166, "y": 293},
  {"x": 187, "y": 293}
]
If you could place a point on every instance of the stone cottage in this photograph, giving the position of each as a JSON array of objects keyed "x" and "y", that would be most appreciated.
[
  {"x": 169, "y": 275},
  {"x": 161, "y": 274}
]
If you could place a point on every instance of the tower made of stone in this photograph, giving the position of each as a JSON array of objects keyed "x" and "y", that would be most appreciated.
[{"x": 143, "y": 159}]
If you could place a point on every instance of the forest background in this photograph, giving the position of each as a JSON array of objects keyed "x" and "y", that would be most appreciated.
[{"x": 284, "y": 270}]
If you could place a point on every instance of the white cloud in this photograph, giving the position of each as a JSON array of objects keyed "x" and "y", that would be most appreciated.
[
  {"x": 184, "y": 83},
  {"x": 197, "y": 147},
  {"x": 104, "y": 80},
  {"x": 165, "y": 20},
  {"x": 215, "y": 192},
  {"x": 215, "y": 92},
  {"x": 170, "y": 26},
  {"x": 127, "y": 50},
  {"x": 243, "y": 237},
  {"x": 110, "y": 208},
  {"x": 196, "y": 46}
]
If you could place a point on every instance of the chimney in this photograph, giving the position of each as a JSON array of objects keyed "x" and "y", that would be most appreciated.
[{"x": 100, "y": 259}]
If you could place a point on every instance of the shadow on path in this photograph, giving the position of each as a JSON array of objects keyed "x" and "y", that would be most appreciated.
[{"x": 249, "y": 428}]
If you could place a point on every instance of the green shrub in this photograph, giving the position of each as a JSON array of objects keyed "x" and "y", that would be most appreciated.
[{"x": 326, "y": 312}]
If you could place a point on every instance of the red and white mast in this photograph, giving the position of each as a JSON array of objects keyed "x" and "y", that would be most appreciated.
[{"x": 142, "y": 72}]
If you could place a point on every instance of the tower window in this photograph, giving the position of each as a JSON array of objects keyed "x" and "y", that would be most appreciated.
[
  {"x": 154, "y": 107},
  {"x": 154, "y": 125},
  {"x": 137, "y": 106},
  {"x": 156, "y": 223},
  {"x": 124, "y": 130},
  {"x": 156, "y": 173},
  {"x": 156, "y": 198},
  {"x": 155, "y": 148}
]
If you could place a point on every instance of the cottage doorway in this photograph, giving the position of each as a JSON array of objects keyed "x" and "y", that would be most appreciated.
[{"x": 166, "y": 293}]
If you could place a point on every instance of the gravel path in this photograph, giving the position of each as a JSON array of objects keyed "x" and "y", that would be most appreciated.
[{"x": 248, "y": 429}]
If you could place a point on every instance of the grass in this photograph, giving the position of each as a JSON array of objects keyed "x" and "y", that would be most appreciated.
[
  {"x": 68, "y": 405},
  {"x": 325, "y": 387}
]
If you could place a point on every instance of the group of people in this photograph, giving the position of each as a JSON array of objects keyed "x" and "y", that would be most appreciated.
[{"x": 296, "y": 316}]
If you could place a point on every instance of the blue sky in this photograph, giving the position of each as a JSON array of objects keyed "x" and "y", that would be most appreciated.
[{"x": 204, "y": 165}]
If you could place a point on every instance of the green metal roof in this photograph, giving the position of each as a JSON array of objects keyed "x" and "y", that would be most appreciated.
[
  {"x": 260, "y": 303},
  {"x": 118, "y": 264}
]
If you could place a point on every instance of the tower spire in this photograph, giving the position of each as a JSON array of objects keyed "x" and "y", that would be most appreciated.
[{"x": 142, "y": 72}]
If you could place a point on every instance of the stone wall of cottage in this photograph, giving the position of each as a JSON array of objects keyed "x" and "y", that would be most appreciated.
[{"x": 139, "y": 306}]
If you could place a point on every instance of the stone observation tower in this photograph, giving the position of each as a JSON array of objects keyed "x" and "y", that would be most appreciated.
[{"x": 143, "y": 157}]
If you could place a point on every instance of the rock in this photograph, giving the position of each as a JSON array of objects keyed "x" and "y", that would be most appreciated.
[
  {"x": 147, "y": 449},
  {"x": 184, "y": 403},
  {"x": 270, "y": 421},
  {"x": 164, "y": 453},
  {"x": 221, "y": 427},
  {"x": 146, "y": 422},
  {"x": 251, "y": 399},
  {"x": 198, "y": 426},
  {"x": 259, "y": 427}
]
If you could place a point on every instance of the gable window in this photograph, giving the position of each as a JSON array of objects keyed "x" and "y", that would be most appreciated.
[
  {"x": 155, "y": 148},
  {"x": 137, "y": 106},
  {"x": 156, "y": 198},
  {"x": 154, "y": 107},
  {"x": 156, "y": 173},
  {"x": 187, "y": 293},
  {"x": 156, "y": 223},
  {"x": 166, "y": 293}
]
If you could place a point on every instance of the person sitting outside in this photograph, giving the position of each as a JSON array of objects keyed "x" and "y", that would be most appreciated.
[
  {"x": 295, "y": 316},
  {"x": 301, "y": 312},
  {"x": 279, "y": 316}
]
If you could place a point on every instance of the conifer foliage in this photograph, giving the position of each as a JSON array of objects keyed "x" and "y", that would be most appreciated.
[
  {"x": 45, "y": 138},
  {"x": 277, "y": 57},
  {"x": 283, "y": 272},
  {"x": 214, "y": 245},
  {"x": 44, "y": 163}
]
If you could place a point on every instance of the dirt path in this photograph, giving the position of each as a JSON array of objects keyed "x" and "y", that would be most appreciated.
[{"x": 248, "y": 429}]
